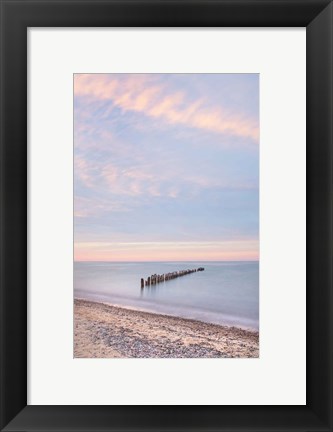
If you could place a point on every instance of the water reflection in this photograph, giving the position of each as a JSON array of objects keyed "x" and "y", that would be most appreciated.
[{"x": 222, "y": 290}]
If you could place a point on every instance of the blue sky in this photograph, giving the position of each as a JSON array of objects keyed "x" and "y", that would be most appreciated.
[{"x": 166, "y": 167}]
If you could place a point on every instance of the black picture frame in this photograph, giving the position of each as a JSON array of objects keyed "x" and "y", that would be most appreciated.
[{"x": 16, "y": 17}]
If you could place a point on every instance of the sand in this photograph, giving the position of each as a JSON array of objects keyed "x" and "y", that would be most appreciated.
[{"x": 104, "y": 331}]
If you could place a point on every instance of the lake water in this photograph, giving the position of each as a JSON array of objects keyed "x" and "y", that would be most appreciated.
[{"x": 225, "y": 293}]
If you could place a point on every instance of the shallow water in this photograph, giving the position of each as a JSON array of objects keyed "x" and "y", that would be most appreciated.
[{"x": 225, "y": 293}]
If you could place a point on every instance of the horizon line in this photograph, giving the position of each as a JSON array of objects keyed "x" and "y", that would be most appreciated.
[{"x": 161, "y": 261}]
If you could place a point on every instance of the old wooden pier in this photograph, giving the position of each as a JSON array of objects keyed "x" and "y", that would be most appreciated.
[{"x": 156, "y": 278}]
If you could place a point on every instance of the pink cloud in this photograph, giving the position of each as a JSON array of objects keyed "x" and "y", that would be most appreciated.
[
  {"x": 131, "y": 181},
  {"x": 84, "y": 171},
  {"x": 241, "y": 250},
  {"x": 137, "y": 93}
]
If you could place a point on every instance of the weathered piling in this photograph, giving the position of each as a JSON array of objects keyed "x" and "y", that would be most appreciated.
[{"x": 156, "y": 278}]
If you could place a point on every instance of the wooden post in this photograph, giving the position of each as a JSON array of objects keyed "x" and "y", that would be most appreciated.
[{"x": 158, "y": 278}]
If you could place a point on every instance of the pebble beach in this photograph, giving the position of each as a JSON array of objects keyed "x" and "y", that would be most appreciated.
[{"x": 105, "y": 331}]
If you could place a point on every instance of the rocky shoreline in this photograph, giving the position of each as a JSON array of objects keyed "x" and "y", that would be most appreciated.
[{"x": 105, "y": 331}]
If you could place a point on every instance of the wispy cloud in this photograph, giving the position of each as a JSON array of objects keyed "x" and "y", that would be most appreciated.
[
  {"x": 84, "y": 171},
  {"x": 140, "y": 94},
  {"x": 165, "y": 167}
]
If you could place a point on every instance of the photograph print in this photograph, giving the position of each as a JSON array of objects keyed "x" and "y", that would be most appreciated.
[{"x": 166, "y": 215}]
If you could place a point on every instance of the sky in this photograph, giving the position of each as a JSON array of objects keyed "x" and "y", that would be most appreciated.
[{"x": 166, "y": 167}]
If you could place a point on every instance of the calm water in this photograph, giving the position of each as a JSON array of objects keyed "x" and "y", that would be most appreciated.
[{"x": 225, "y": 293}]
